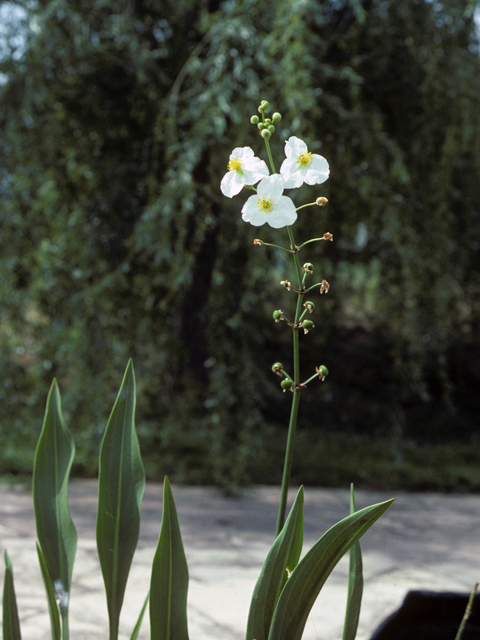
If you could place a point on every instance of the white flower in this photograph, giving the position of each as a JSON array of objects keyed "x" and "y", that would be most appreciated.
[
  {"x": 243, "y": 168},
  {"x": 269, "y": 205},
  {"x": 302, "y": 166}
]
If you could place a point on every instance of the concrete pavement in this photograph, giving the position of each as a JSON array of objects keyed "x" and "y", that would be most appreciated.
[{"x": 424, "y": 541}]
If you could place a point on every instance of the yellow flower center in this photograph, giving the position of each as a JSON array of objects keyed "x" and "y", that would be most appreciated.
[
  {"x": 235, "y": 165},
  {"x": 265, "y": 205},
  {"x": 304, "y": 159}
]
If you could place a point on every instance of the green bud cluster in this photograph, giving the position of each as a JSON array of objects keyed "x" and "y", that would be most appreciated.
[{"x": 266, "y": 125}]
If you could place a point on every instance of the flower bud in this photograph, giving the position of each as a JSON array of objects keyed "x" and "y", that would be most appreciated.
[
  {"x": 309, "y": 306},
  {"x": 268, "y": 121},
  {"x": 265, "y": 105},
  {"x": 321, "y": 201},
  {"x": 254, "y": 119},
  {"x": 266, "y": 134},
  {"x": 308, "y": 267},
  {"x": 322, "y": 371},
  {"x": 277, "y": 315},
  {"x": 277, "y": 366},
  {"x": 276, "y": 117},
  {"x": 286, "y": 284},
  {"x": 261, "y": 126},
  {"x": 307, "y": 325},
  {"x": 328, "y": 236},
  {"x": 271, "y": 128},
  {"x": 286, "y": 384},
  {"x": 257, "y": 242},
  {"x": 324, "y": 286}
]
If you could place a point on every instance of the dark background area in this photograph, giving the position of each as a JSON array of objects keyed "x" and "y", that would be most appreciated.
[{"x": 116, "y": 123}]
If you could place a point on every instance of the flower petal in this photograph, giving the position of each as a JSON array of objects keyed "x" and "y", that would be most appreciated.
[
  {"x": 252, "y": 214},
  {"x": 292, "y": 176},
  {"x": 283, "y": 214},
  {"x": 243, "y": 153},
  {"x": 254, "y": 170},
  {"x": 294, "y": 146},
  {"x": 318, "y": 171},
  {"x": 231, "y": 184},
  {"x": 271, "y": 187}
]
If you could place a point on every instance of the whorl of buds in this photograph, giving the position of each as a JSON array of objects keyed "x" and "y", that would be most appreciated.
[
  {"x": 308, "y": 267},
  {"x": 322, "y": 371},
  {"x": 307, "y": 325},
  {"x": 309, "y": 306},
  {"x": 277, "y": 367},
  {"x": 277, "y": 315},
  {"x": 286, "y": 284},
  {"x": 324, "y": 286},
  {"x": 257, "y": 242},
  {"x": 321, "y": 201},
  {"x": 286, "y": 384}
]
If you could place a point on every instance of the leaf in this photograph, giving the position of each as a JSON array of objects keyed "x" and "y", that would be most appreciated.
[
  {"x": 284, "y": 553},
  {"x": 52, "y": 602},
  {"x": 169, "y": 583},
  {"x": 136, "y": 629},
  {"x": 54, "y": 455},
  {"x": 121, "y": 484},
  {"x": 306, "y": 581},
  {"x": 355, "y": 585},
  {"x": 11, "y": 624}
]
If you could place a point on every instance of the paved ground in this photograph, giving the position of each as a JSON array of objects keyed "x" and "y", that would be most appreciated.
[{"x": 423, "y": 542}]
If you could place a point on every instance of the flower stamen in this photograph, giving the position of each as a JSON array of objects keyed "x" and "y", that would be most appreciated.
[
  {"x": 265, "y": 205},
  {"x": 235, "y": 164},
  {"x": 305, "y": 159}
]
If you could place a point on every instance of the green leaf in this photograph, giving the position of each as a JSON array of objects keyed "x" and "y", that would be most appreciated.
[
  {"x": 11, "y": 624},
  {"x": 305, "y": 583},
  {"x": 52, "y": 602},
  {"x": 284, "y": 554},
  {"x": 121, "y": 484},
  {"x": 355, "y": 585},
  {"x": 169, "y": 583},
  {"x": 136, "y": 629},
  {"x": 54, "y": 455}
]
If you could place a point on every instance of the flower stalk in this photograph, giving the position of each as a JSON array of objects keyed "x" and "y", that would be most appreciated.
[{"x": 270, "y": 206}]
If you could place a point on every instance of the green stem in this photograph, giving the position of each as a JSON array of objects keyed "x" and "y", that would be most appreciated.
[
  {"x": 65, "y": 631},
  {"x": 267, "y": 244},
  {"x": 467, "y": 613},
  {"x": 296, "y": 397},
  {"x": 270, "y": 155},
  {"x": 309, "y": 241},
  {"x": 310, "y": 204}
]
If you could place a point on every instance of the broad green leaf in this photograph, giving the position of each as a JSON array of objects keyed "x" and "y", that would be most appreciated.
[
  {"x": 54, "y": 455},
  {"x": 355, "y": 585},
  {"x": 283, "y": 555},
  {"x": 121, "y": 484},
  {"x": 51, "y": 599},
  {"x": 305, "y": 583},
  {"x": 136, "y": 629},
  {"x": 11, "y": 624},
  {"x": 169, "y": 583}
]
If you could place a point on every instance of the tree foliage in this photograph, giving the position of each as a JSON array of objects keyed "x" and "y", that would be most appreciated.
[{"x": 117, "y": 120}]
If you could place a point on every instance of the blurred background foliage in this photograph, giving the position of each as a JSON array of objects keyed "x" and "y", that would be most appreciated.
[{"x": 117, "y": 119}]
